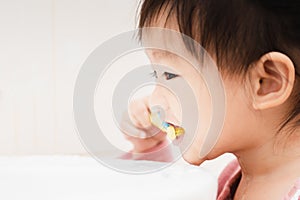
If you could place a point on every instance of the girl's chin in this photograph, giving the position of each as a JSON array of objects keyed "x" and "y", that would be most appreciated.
[{"x": 193, "y": 160}]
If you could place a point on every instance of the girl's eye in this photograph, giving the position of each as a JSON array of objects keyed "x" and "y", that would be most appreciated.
[
  {"x": 170, "y": 75},
  {"x": 154, "y": 74}
]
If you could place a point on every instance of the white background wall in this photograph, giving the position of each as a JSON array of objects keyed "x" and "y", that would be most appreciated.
[{"x": 42, "y": 46}]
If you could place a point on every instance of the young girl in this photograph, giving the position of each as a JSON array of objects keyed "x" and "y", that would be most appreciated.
[{"x": 256, "y": 45}]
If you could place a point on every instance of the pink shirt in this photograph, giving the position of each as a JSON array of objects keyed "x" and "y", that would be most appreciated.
[{"x": 230, "y": 178}]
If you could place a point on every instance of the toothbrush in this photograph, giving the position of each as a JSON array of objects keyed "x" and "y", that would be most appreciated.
[{"x": 172, "y": 131}]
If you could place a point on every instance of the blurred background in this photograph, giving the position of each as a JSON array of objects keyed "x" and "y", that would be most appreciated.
[{"x": 43, "y": 44}]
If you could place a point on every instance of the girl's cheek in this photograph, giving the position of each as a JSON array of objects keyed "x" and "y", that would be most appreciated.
[{"x": 201, "y": 137}]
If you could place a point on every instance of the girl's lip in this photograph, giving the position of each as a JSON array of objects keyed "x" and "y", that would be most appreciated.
[
  {"x": 178, "y": 140},
  {"x": 172, "y": 122},
  {"x": 173, "y": 131}
]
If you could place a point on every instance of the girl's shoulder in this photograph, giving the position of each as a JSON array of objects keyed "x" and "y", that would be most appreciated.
[
  {"x": 229, "y": 180},
  {"x": 294, "y": 194}
]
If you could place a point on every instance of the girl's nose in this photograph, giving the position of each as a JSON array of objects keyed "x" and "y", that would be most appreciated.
[
  {"x": 167, "y": 103},
  {"x": 159, "y": 98}
]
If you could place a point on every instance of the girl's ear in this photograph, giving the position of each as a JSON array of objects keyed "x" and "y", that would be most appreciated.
[{"x": 272, "y": 80}]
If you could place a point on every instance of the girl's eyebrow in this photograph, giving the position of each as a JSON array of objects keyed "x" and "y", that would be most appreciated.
[{"x": 159, "y": 53}]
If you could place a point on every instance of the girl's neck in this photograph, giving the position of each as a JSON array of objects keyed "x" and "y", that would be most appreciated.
[
  {"x": 268, "y": 159},
  {"x": 272, "y": 166}
]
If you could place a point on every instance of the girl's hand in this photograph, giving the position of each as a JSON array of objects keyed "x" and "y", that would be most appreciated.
[{"x": 145, "y": 137}]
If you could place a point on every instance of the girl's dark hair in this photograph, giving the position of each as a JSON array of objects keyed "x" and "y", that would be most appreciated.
[{"x": 238, "y": 32}]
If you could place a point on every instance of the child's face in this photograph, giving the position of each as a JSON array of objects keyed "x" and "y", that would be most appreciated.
[
  {"x": 239, "y": 124},
  {"x": 233, "y": 135}
]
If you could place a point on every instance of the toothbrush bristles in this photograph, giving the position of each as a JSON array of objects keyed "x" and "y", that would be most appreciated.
[{"x": 171, "y": 130}]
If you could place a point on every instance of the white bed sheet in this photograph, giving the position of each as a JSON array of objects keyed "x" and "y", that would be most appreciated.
[{"x": 83, "y": 178}]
